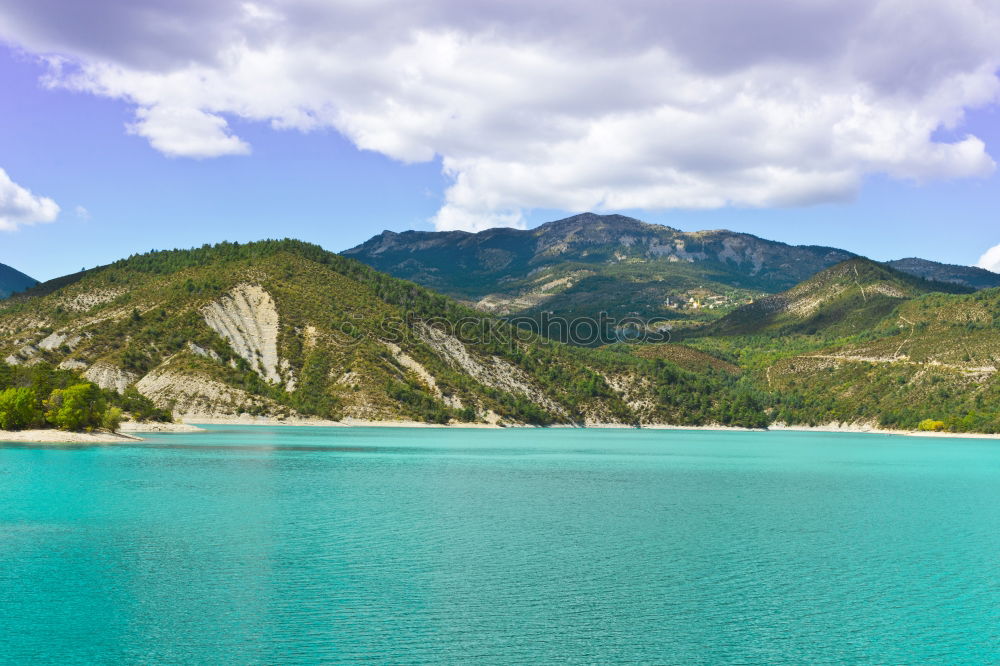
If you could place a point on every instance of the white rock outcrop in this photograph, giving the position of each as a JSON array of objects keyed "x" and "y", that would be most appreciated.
[
  {"x": 22, "y": 355},
  {"x": 201, "y": 351},
  {"x": 109, "y": 377},
  {"x": 248, "y": 319},
  {"x": 57, "y": 340},
  {"x": 193, "y": 396},
  {"x": 426, "y": 377},
  {"x": 493, "y": 372}
]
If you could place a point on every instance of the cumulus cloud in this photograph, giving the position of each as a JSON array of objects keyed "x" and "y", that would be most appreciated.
[
  {"x": 990, "y": 259},
  {"x": 566, "y": 105},
  {"x": 187, "y": 132},
  {"x": 20, "y": 207}
]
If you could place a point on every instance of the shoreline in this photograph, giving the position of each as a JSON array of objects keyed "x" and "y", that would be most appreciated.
[
  {"x": 152, "y": 426},
  {"x": 124, "y": 434},
  {"x": 52, "y": 436},
  {"x": 871, "y": 430},
  {"x": 128, "y": 431},
  {"x": 775, "y": 427}
]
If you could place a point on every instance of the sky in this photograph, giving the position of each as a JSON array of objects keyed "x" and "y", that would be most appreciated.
[{"x": 126, "y": 126}]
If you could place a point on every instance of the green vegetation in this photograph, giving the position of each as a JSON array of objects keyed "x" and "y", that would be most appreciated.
[
  {"x": 39, "y": 396},
  {"x": 77, "y": 407},
  {"x": 930, "y": 425},
  {"x": 19, "y": 409},
  {"x": 846, "y": 299},
  {"x": 857, "y": 343},
  {"x": 352, "y": 342},
  {"x": 921, "y": 359}
]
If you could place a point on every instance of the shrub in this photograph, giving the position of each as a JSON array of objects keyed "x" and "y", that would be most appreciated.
[
  {"x": 930, "y": 425},
  {"x": 19, "y": 409},
  {"x": 111, "y": 419},
  {"x": 78, "y": 407}
]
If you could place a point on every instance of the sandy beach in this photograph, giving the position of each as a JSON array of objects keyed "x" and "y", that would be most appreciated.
[
  {"x": 132, "y": 426},
  {"x": 62, "y": 437}
]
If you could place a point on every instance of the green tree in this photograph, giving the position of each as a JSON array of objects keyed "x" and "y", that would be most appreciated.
[
  {"x": 19, "y": 409},
  {"x": 111, "y": 419},
  {"x": 78, "y": 407}
]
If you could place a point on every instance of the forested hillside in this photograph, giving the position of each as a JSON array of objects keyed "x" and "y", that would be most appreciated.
[
  {"x": 286, "y": 329},
  {"x": 886, "y": 351}
]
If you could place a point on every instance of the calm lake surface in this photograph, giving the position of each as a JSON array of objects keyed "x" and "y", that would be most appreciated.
[{"x": 278, "y": 545}]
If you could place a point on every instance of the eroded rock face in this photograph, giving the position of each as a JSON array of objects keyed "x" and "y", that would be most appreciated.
[
  {"x": 426, "y": 377},
  {"x": 193, "y": 396},
  {"x": 248, "y": 320},
  {"x": 200, "y": 351},
  {"x": 57, "y": 340},
  {"x": 23, "y": 355},
  {"x": 493, "y": 372},
  {"x": 109, "y": 377}
]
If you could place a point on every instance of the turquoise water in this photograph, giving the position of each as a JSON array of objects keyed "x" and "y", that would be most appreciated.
[{"x": 271, "y": 545}]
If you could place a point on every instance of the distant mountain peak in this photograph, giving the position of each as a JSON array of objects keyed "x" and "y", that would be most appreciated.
[
  {"x": 13, "y": 281},
  {"x": 842, "y": 299},
  {"x": 589, "y": 263},
  {"x": 969, "y": 276},
  {"x": 595, "y": 221}
]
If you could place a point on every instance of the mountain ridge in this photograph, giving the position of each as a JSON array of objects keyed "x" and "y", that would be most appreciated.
[
  {"x": 844, "y": 299},
  {"x": 13, "y": 281},
  {"x": 588, "y": 263},
  {"x": 287, "y": 330},
  {"x": 970, "y": 276}
]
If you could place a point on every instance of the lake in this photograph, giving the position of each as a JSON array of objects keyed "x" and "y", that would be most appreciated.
[{"x": 292, "y": 545}]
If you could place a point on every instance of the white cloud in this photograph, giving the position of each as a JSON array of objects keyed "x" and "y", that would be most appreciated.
[
  {"x": 20, "y": 207},
  {"x": 567, "y": 105},
  {"x": 187, "y": 132},
  {"x": 81, "y": 213},
  {"x": 990, "y": 259}
]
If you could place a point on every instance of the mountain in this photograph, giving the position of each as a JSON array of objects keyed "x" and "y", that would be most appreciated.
[
  {"x": 846, "y": 299},
  {"x": 968, "y": 276},
  {"x": 13, "y": 281},
  {"x": 935, "y": 359},
  {"x": 861, "y": 343},
  {"x": 589, "y": 263},
  {"x": 286, "y": 329}
]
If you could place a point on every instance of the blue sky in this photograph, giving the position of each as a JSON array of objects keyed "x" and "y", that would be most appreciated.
[{"x": 295, "y": 168}]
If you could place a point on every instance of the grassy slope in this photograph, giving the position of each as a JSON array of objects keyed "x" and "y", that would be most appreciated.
[{"x": 685, "y": 357}]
